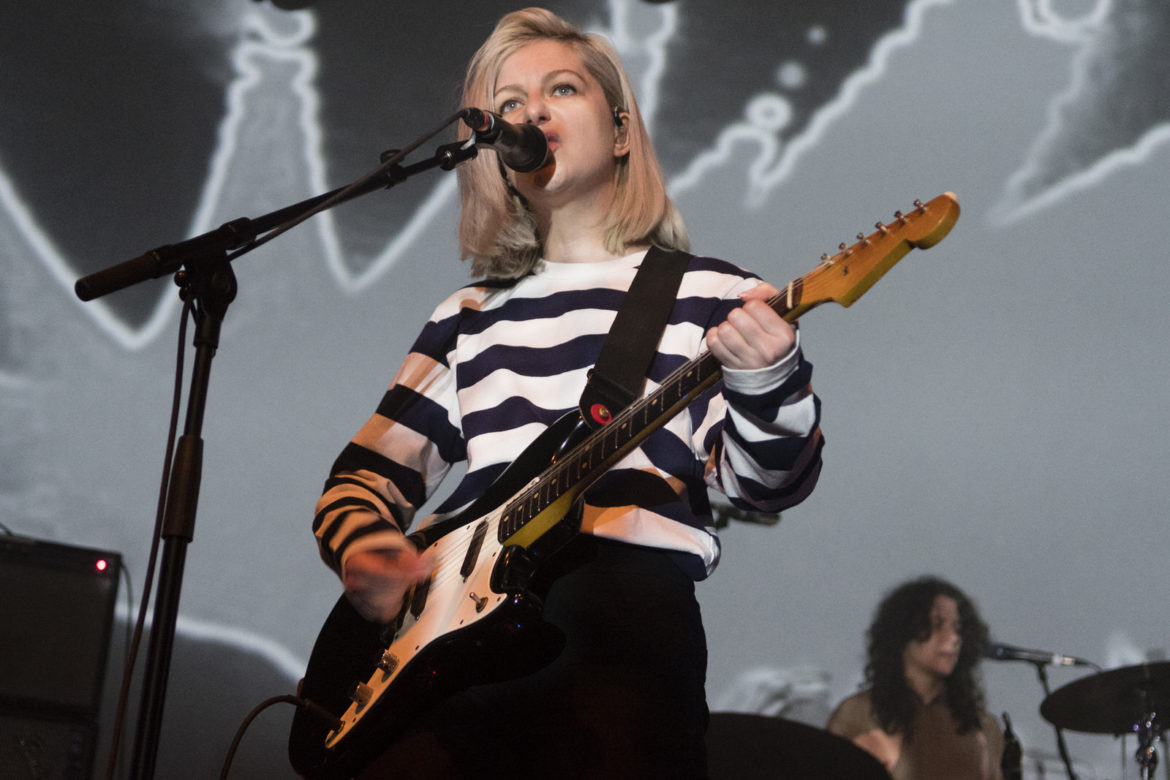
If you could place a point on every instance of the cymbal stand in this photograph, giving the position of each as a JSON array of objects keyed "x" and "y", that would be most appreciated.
[
  {"x": 1149, "y": 734},
  {"x": 1061, "y": 747}
]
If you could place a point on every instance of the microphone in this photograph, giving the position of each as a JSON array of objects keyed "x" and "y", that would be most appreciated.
[
  {"x": 523, "y": 148},
  {"x": 998, "y": 651}
]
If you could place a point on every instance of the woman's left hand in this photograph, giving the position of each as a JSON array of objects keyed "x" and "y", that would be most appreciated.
[{"x": 753, "y": 335}]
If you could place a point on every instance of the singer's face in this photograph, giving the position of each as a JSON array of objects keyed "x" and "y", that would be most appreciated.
[
  {"x": 546, "y": 84},
  {"x": 938, "y": 653}
]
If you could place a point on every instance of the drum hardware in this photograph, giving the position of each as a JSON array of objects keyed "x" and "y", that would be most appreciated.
[{"x": 1120, "y": 701}]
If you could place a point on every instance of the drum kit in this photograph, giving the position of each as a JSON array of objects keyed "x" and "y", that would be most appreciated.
[{"x": 1128, "y": 700}]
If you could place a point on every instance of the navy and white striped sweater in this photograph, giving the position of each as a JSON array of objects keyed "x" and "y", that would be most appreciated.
[{"x": 499, "y": 362}]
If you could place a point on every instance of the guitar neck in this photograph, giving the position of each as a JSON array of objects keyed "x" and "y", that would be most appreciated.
[{"x": 841, "y": 278}]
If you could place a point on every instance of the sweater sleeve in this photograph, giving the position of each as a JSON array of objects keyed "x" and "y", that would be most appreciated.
[
  {"x": 398, "y": 458},
  {"x": 765, "y": 453}
]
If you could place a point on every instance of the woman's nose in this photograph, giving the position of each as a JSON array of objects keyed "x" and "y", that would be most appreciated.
[{"x": 536, "y": 110}]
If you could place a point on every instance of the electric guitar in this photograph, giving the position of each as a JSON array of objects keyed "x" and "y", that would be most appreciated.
[{"x": 477, "y": 618}]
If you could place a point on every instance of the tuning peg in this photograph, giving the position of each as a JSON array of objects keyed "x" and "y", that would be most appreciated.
[
  {"x": 881, "y": 228},
  {"x": 918, "y": 205},
  {"x": 899, "y": 216},
  {"x": 864, "y": 241}
]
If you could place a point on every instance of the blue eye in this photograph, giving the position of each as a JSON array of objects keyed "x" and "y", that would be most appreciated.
[
  {"x": 564, "y": 89},
  {"x": 509, "y": 105}
]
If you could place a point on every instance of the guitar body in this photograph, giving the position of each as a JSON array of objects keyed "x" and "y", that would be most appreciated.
[{"x": 476, "y": 620}]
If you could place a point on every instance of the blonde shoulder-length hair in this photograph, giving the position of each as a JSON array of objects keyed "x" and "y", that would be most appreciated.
[{"x": 496, "y": 229}]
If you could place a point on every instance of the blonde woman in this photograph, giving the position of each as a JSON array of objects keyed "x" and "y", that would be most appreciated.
[{"x": 504, "y": 357}]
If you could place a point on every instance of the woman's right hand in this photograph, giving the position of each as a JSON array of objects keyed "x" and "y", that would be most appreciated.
[{"x": 377, "y": 580}]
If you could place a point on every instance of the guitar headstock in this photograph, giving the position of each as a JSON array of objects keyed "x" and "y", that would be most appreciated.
[{"x": 845, "y": 276}]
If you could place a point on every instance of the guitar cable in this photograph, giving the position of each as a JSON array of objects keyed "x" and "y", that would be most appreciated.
[{"x": 314, "y": 709}]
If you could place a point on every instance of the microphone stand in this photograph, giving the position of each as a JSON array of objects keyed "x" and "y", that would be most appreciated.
[
  {"x": 1042, "y": 673},
  {"x": 202, "y": 268}
]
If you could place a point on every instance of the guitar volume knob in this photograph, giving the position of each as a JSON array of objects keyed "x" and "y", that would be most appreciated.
[{"x": 361, "y": 694}]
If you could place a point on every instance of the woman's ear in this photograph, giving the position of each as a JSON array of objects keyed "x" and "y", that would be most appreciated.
[{"x": 621, "y": 135}]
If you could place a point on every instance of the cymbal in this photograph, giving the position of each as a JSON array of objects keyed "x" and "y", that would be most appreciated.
[{"x": 1111, "y": 702}]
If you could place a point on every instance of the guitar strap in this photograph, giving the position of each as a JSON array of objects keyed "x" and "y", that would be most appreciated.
[{"x": 629, "y": 347}]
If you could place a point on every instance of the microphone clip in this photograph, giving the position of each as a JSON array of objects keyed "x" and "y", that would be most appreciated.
[{"x": 521, "y": 147}]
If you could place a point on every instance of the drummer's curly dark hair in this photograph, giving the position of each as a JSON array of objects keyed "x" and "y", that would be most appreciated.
[{"x": 903, "y": 616}]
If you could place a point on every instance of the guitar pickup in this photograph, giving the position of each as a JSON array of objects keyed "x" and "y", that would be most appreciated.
[
  {"x": 418, "y": 596},
  {"x": 473, "y": 549}
]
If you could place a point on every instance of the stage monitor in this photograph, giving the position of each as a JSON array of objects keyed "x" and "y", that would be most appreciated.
[{"x": 56, "y": 614}]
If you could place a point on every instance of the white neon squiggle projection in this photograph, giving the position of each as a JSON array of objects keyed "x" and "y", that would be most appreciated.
[
  {"x": 259, "y": 40},
  {"x": 1040, "y": 19},
  {"x": 768, "y": 113},
  {"x": 262, "y": 41},
  {"x": 1067, "y": 156},
  {"x": 649, "y": 46},
  {"x": 1012, "y": 209},
  {"x": 277, "y": 655},
  {"x": 766, "y": 116}
]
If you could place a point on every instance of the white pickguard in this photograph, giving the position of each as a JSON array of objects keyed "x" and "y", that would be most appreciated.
[{"x": 452, "y": 603}]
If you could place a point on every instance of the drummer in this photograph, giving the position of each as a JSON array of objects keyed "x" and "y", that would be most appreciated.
[{"x": 921, "y": 712}]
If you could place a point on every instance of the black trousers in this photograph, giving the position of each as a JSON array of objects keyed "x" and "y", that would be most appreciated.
[{"x": 624, "y": 699}]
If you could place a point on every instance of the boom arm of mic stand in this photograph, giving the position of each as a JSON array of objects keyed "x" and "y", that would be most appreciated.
[
  {"x": 241, "y": 234},
  {"x": 389, "y": 174}
]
